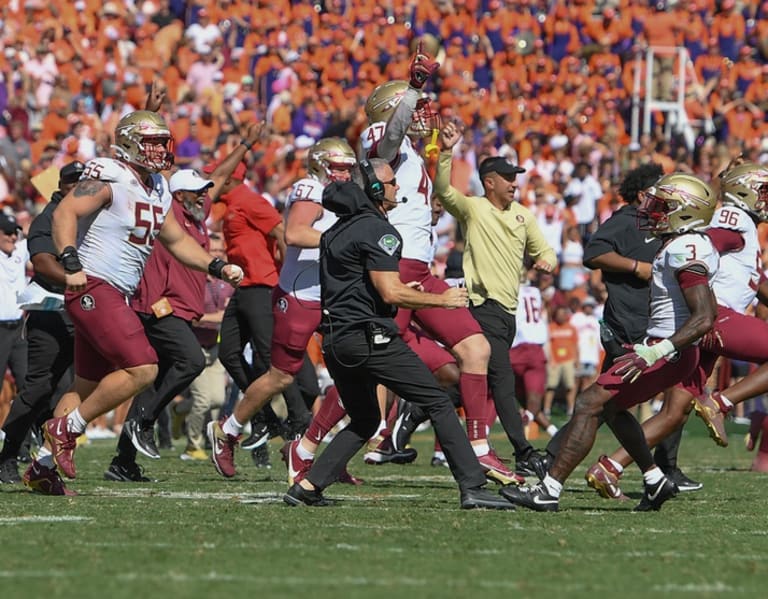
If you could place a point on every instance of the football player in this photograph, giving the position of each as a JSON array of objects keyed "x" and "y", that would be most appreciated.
[
  {"x": 105, "y": 229},
  {"x": 678, "y": 209},
  {"x": 735, "y": 335},
  {"x": 399, "y": 118},
  {"x": 296, "y": 310}
]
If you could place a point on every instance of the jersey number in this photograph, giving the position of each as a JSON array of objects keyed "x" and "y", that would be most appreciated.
[
  {"x": 532, "y": 310},
  {"x": 728, "y": 217},
  {"x": 147, "y": 217},
  {"x": 424, "y": 185}
]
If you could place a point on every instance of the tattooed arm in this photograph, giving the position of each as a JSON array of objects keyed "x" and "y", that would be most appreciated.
[{"x": 86, "y": 197}]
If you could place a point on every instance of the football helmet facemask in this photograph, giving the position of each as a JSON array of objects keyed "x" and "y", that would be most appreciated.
[
  {"x": 676, "y": 203},
  {"x": 329, "y": 155},
  {"x": 385, "y": 98},
  {"x": 143, "y": 139},
  {"x": 746, "y": 186}
]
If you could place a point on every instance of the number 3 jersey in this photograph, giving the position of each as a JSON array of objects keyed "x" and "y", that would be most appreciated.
[
  {"x": 669, "y": 309},
  {"x": 300, "y": 274},
  {"x": 114, "y": 243},
  {"x": 412, "y": 219},
  {"x": 738, "y": 278}
]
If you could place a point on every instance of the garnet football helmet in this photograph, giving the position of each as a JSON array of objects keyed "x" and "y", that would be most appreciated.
[
  {"x": 746, "y": 186},
  {"x": 675, "y": 204},
  {"x": 385, "y": 98},
  {"x": 143, "y": 139},
  {"x": 327, "y": 155}
]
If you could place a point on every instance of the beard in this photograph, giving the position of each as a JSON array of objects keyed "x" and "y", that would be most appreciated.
[{"x": 197, "y": 212}]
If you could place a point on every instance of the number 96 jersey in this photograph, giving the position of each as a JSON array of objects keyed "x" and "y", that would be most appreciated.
[
  {"x": 669, "y": 309},
  {"x": 114, "y": 243}
]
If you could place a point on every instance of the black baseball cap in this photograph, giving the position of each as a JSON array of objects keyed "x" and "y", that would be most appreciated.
[
  {"x": 70, "y": 173},
  {"x": 8, "y": 223},
  {"x": 498, "y": 164}
]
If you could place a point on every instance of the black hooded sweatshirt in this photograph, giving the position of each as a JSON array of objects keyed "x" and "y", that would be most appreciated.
[{"x": 362, "y": 240}]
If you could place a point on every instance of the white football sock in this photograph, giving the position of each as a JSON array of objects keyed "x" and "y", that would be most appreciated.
[
  {"x": 653, "y": 476},
  {"x": 481, "y": 448},
  {"x": 231, "y": 426},
  {"x": 615, "y": 464},
  {"x": 552, "y": 486},
  {"x": 75, "y": 422}
]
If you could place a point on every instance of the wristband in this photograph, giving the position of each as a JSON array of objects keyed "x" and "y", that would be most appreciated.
[
  {"x": 216, "y": 267},
  {"x": 246, "y": 145},
  {"x": 70, "y": 260}
]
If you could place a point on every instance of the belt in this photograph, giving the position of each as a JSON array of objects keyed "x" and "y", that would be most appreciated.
[{"x": 11, "y": 324}]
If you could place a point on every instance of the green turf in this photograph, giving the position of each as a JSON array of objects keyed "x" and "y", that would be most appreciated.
[{"x": 400, "y": 535}]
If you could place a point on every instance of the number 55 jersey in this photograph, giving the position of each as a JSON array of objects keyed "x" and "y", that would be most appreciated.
[{"x": 115, "y": 242}]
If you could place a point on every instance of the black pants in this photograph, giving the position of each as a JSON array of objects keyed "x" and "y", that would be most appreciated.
[
  {"x": 248, "y": 318},
  {"x": 357, "y": 368},
  {"x": 50, "y": 353},
  {"x": 499, "y": 328},
  {"x": 625, "y": 425},
  {"x": 13, "y": 350},
  {"x": 180, "y": 362}
]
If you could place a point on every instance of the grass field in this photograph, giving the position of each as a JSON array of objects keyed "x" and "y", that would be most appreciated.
[{"x": 402, "y": 534}]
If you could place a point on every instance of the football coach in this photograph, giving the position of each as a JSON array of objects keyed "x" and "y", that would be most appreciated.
[{"x": 361, "y": 290}]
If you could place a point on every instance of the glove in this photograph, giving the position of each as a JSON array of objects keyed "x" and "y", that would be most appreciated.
[
  {"x": 422, "y": 68},
  {"x": 641, "y": 358}
]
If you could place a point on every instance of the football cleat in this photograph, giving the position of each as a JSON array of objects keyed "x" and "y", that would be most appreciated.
[
  {"x": 407, "y": 422},
  {"x": 535, "y": 498},
  {"x": 655, "y": 495},
  {"x": 298, "y": 495},
  {"x": 126, "y": 472},
  {"x": 9, "y": 472},
  {"x": 604, "y": 478},
  {"x": 708, "y": 409},
  {"x": 381, "y": 451},
  {"x": 194, "y": 455},
  {"x": 297, "y": 467},
  {"x": 63, "y": 444},
  {"x": 496, "y": 471},
  {"x": 45, "y": 481},
  {"x": 535, "y": 463},
  {"x": 438, "y": 460},
  {"x": 223, "y": 449},
  {"x": 684, "y": 484},
  {"x": 258, "y": 437},
  {"x": 143, "y": 439},
  {"x": 349, "y": 479},
  {"x": 480, "y": 498}
]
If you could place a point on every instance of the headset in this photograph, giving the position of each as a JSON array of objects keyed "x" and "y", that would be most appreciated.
[{"x": 373, "y": 187}]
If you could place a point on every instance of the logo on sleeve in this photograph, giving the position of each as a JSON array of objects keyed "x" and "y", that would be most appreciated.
[{"x": 389, "y": 243}]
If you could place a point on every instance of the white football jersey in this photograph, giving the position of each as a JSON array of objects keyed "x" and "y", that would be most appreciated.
[
  {"x": 412, "y": 219},
  {"x": 588, "y": 328},
  {"x": 115, "y": 242},
  {"x": 300, "y": 274},
  {"x": 668, "y": 308},
  {"x": 738, "y": 278},
  {"x": 531, "y": 317}
]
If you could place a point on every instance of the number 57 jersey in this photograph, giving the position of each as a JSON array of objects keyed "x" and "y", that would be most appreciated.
[
  {"x": 114, "y": 243},
  {"x": 669, "y": 309}
]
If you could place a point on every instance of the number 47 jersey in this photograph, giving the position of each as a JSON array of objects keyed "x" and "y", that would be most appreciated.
[{"x": 114, "y": 243}]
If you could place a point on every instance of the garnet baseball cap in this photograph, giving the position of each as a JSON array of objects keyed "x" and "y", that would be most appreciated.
[
  {"x": 187, "y": 179},
  {"x": 239, "y": 172},
  {"x": 8, "y": 223},
  {"x": 501, "y": 165}
]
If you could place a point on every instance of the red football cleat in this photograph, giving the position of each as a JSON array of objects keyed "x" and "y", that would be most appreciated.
[
  {"x": 44, "y": 480},
  {"x": 63, "y": 444},
  {"x": 223, "y": 449},
  {"x": 495, "y": 470},
  {"x": 604, "y": 478}
]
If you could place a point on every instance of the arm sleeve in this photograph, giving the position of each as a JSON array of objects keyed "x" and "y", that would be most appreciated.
[
  {"x": 689, "y": 277},
  {"x": 389, "y": 145},
  {"x": 454, "y": 201}
]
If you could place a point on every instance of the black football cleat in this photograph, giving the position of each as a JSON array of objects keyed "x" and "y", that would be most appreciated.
[
  {"x": 535, "y": 498},
  {"x": 298, "y": 495},
  {"x": 655, "y": 495},
  {"x": 483, "y": 499}
]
